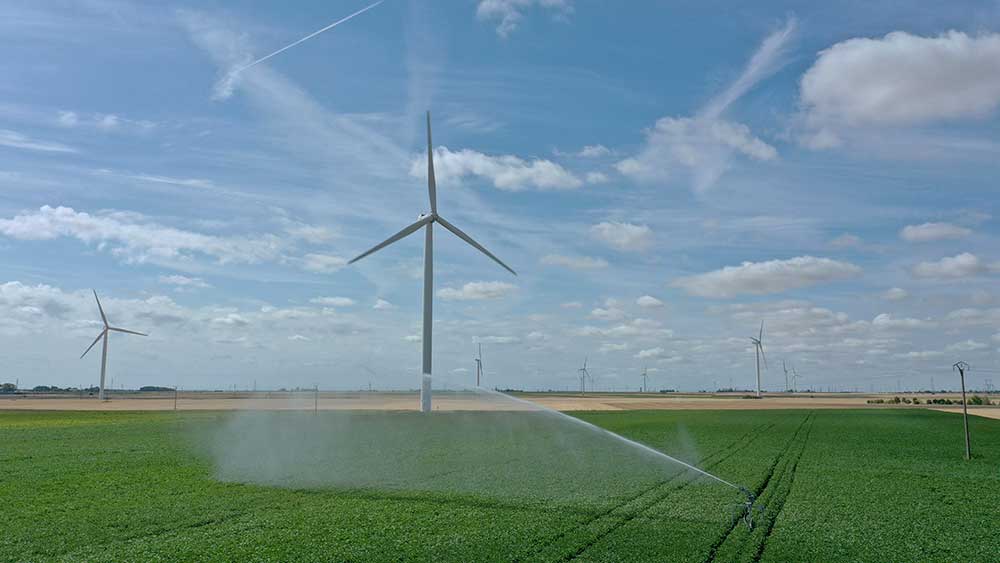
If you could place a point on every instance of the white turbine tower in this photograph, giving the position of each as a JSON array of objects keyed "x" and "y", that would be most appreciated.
[
  {"x": 758, "y": 344},
  {"x": 426, "y": 221},
  {"x": 479, "y": 364},
  {"x": 104, "y": 352}
]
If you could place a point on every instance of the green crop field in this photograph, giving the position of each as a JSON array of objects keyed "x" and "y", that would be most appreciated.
[{"x": 853, "y": 486}]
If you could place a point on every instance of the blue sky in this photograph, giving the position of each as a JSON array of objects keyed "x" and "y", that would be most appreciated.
[{"x": 663, "y": 178}]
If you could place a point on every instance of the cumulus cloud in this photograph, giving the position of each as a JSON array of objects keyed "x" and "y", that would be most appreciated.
[
  {"x": 967, "y": 346},
  {"x": 136, "y": 238},
  {"x": 888, "y": 322},
  {"x": 594, "y": 151},
  {"x": 846, "y": 240},
  {"x": 951, "y": 267},
  {"x": 323, "y": 263},
  {"x": 382, "y": 304},
  {"x": 650, "y": 353},
  {"x": 184, "y": 282},
  {"x": 761, "y": 278},
  {"x": 15, "y": 140},
  {"x": 498, "y": 339},
  {"x": 699, "y": 145},
  {"x": 333, "y": 301},
  {"x": 702, "y": 146},
  {"x": 895, "y": 294},
  {"x": 574, "y": 262},
  {"x": 476, "y": 291},
  {"x": 509, "y": 13},
  {"x": 571, "y": 305},
  {"x": 623, "y": 236},
  {"x": 648, "y": 302},
  {"x": 607, "y": 314},
  {"x": 505, "y": 172},
  {"x": 903, "y": 79},
  {"x": 933, "y": 231}
]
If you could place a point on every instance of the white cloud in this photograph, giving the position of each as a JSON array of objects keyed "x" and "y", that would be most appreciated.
[
  {"x": 333, "y": 301},
  {"x": 953, "y": 267},
  {"x": 967, "y": 346},
  {"x": 574, "y": 262},
  {"x": 382, "y": 304},
  {"x": 477, "y": 290},
  {"x": 106, "y": 122},
  {"x": 919, "y": 355},
  {"x": 895, "y": 294},
  {"x": 607, "y": 314},
  {"x": 648, "y": 302},
  {"x": 597, "y": 178},
  {"x": 323, "y": 263},
  {"x": 933, "y": 231},
  {"x": 623, "y": 236},
  {"x": 761, "y": 278},
  {"x": 510, "y": 12},
  {"x": 183, "y": 281},
  {"x": 888, "y": 322},
  {"x": 571, "y": 305},
  {"x": 498, "y": 339},
  {"x": 298, "y": 338},
  {"x": 594, "y": 151},
  {"x": 702, "y": 146},
  {"x": 505, "y": 172},
  {"x": 15, "y": 140},
  {"x": 413, "y": 338},
  {"x": 903, "y": 79},
  {"x": 135, "y": 238},
  {"x": 650, "y": 353}
]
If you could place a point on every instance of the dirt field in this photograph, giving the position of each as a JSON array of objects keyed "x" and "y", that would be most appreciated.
[{"x": 450, "y": 401}]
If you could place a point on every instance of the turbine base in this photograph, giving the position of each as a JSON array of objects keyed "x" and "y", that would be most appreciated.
[{"x": 425, "y": 393}]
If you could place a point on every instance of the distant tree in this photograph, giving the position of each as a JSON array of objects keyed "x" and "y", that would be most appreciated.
[{"x": 8, "y": 388}]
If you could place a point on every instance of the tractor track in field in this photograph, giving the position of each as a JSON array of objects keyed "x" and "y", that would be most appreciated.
[
  {"x": 722, "y": 454},
  {"x": 778, "y": 480}
]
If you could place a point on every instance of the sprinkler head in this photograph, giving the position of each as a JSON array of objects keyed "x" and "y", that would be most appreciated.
[{"x": 748, "y": 508}]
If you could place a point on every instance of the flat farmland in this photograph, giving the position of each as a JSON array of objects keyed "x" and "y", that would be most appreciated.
[{"x": 878, "y": 485}]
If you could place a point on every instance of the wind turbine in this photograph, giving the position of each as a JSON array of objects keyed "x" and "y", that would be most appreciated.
[
  {"x": 785, "y": 368},
  {"x": 104, "y": 352},
  {"x": 758, "y": 344},
  {"x": 479, "y": 364},
  {"x": 645, "y": 387},
  {"x": 426, "y": 221},
  {"x": 584, "y": 375},
  {"x": 795, "y": 380}
]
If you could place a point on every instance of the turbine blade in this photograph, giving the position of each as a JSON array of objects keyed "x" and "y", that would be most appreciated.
[
  {"x": 116, "y": 329},
  {"x": 761, "y": 336},
  {"x": 92, "y": 344},
  {"x": 762, "y": 356},
  {"x": 101, "y": 309},
  {"x": 457, "y": 232},
  {"x": 401, "y": 234},
  {"x": 431, "y": 181}
]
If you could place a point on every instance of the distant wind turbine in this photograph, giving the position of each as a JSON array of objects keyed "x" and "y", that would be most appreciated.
[
  {"x": 104, "y": 352},
  {"x": 426, "y": 221},
  {"x": 479, "y": 364},
  {"x": 584, "y": 376},
  {"x": 758, "y": 344},
  {"x": 645, "y": 387}
]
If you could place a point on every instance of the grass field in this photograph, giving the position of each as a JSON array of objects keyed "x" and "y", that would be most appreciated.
[{"x": 839, "y": 485}]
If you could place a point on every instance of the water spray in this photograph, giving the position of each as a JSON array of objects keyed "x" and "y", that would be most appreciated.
[{"x": 747, "y": 509}]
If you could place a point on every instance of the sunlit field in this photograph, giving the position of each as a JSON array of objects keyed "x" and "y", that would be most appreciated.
[{"x": 838, "y": 485}]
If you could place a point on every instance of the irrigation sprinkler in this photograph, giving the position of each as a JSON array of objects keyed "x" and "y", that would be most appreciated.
[
  {"x": 961, "y": 366},
  {"x": 749, "y": 508}
]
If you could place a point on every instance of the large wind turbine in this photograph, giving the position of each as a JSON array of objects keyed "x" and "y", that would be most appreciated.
[
  {"x": 758, "y": 344},
  {"x": 426, "y": 221},
  {"x": 104, "y": 351}
]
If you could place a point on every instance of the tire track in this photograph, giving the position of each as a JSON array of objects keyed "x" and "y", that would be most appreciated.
[
  {"x": 722, "y": 455},
  {"x": 734, "y": 543}
]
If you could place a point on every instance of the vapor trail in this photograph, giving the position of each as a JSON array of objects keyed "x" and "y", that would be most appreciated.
[{"x": 306, "y": 38}]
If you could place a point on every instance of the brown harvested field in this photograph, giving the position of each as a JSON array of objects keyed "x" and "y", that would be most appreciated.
[{"x": 402, "y": 401}]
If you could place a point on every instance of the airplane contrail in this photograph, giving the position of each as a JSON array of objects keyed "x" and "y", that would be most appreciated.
[{"x": 306, "y": 38}]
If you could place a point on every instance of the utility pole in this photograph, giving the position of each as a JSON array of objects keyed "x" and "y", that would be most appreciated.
[
  {"x": 961, "y": 367},
  {"x": 175, "y": 397}
]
